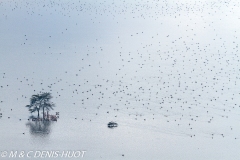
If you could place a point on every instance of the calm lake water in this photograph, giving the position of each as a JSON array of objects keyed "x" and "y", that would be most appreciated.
[{"x": 166, "y": 71}]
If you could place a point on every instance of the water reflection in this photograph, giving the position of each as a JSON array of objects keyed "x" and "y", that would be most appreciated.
[{"x": 40, "y": 128}]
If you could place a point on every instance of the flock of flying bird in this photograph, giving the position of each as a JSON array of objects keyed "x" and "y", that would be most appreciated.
[{"x": 165, "y": 65}]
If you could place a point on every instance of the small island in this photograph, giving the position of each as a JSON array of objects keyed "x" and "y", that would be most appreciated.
[{"x": 42, "y": 102}]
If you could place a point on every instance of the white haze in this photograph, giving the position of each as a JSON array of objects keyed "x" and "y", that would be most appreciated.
[{"x": 166, "y": 71}]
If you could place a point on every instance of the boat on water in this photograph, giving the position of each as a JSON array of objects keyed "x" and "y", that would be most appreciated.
[{"x": 112, "y": 124}]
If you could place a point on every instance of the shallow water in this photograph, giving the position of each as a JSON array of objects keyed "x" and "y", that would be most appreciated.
[{"x": 167, "y": 72}]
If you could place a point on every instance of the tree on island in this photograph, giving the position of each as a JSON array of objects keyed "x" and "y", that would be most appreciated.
[
  {"x": 40, "y": 101},
  {"x": 45, "y": 103}
]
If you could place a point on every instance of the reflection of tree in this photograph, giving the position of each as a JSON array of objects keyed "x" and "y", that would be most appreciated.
[{"x": 39, "y": 127}]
